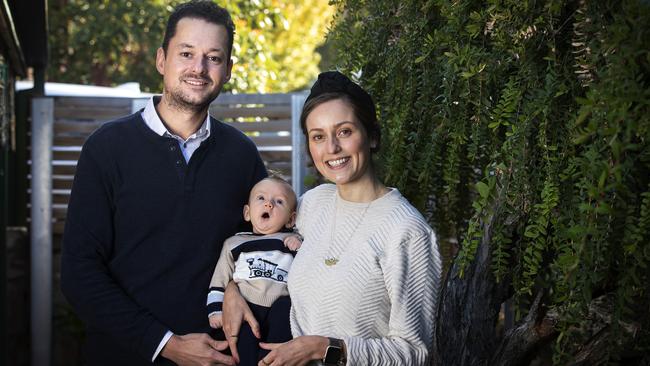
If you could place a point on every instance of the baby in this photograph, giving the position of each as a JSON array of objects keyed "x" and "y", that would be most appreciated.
[{"x": 259, "y": 263}]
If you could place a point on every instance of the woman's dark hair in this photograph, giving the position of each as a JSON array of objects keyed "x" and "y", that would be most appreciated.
[
  {"x": 333, "y": 85},
  {"x": 204, "y": 10}
]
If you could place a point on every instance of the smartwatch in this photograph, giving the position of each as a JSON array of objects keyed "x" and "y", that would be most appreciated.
[{"x": 334, "y": 353}]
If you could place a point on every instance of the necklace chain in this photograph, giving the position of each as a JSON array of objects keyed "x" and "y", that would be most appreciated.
[{"x": 331, "y": 259}]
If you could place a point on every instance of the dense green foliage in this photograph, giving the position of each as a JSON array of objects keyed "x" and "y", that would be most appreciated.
[
  {"x": 536, "y": 113},
  {"x": 112, "y": 42}
]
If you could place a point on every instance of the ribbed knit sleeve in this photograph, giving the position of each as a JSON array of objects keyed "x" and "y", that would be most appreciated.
[
  {"x": 220, "y": 278},
  {"x": 410, "y": 270}
]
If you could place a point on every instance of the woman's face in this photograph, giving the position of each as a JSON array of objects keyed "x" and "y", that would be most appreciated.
[{"x": 338, "y": 142}]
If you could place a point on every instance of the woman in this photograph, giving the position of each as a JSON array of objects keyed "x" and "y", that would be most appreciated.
[{"x": 365, "y": 282}]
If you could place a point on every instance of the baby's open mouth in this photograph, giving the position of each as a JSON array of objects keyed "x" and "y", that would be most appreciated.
[{"x": 266, "y": 215}]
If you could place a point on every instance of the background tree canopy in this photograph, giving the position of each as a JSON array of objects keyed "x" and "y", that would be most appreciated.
[
  {"x": 522, "y": 128},
  {"x": 112, "y": 42}
]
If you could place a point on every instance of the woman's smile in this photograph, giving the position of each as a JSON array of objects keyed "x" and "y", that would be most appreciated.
[{"x": 338, "y": 162}]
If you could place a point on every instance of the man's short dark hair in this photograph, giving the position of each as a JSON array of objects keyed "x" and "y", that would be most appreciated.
[{"x": 204, "y": 10}]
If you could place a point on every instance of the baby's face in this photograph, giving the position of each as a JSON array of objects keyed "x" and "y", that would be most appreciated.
[{"x": 271, "y": 206}]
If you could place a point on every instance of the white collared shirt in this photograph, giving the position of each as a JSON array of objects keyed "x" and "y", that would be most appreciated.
[{"x": 189, "y": 146}]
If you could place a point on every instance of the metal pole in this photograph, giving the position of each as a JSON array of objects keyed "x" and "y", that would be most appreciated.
[
  {"x": 41, "y": 231},
  {"x": 297, "y": 145}
]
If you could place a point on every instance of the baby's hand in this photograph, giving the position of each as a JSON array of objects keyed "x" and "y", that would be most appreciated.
[
  {"x": 293, "y": 242},
  {"x": 216, "y": 321}
]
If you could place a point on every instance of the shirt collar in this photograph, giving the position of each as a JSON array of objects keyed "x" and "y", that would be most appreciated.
[{"x": 153, "y": 121}]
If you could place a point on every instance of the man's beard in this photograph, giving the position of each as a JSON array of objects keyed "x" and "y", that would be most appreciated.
[{"x": 180, "y": 100}]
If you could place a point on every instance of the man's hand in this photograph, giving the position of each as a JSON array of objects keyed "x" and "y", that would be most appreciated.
[
  {"x": 236, "y": 311},
  {"x": 196, "y": 349},
  {"x": 216, "y": 321},
  {"x": 293, "y": 242}
]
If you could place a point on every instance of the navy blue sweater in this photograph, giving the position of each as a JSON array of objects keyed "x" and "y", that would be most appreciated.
[{"x": 144, "y": 232}]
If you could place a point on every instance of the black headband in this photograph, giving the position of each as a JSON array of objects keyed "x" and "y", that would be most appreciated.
[{"x": 335, "y": 82}]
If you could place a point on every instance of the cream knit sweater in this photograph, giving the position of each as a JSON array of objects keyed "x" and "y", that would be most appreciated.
[{"x": 380, "y": 296}]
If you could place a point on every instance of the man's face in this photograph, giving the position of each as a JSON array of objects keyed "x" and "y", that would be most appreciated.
[{"x": 196, "y": 64}]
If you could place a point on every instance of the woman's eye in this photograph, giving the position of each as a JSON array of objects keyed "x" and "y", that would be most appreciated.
[
  {"x": 345, "y": 132},
  {"x": 317, "y": 137}
]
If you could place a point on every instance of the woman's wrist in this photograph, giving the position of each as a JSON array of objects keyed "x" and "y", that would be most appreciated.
[
  {"x": 335, "y": 352},
  {"x": 320, "y": 347}
]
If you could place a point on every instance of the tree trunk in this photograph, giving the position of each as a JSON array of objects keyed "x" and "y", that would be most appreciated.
[
  {"x": 469, "y": 310},
  {"x": 468, "y": 313},
  {"x": 521, "y": 343}
]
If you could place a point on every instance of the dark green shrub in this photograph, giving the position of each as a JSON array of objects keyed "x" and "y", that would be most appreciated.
[{"x": 540, "y": 107}]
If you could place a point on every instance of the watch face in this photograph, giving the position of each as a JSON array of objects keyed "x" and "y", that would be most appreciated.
[{"x": 332, "y": 355}]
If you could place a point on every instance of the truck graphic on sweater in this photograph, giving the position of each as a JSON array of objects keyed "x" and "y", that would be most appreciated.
[{"x": 260, "y": 267}]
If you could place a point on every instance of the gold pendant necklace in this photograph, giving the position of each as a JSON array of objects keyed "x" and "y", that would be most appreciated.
[{"x": 332, "y": 260}]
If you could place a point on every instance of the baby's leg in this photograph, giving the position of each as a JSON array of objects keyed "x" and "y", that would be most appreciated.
[
  {"x": 247, "y": 345},
  {"x": 277, "y": 323}
]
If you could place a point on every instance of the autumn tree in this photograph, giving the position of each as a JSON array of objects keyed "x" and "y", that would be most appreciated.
[{"x": 112, "y": 42}]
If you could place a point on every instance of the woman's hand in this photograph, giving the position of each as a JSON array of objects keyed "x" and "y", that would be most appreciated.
[
  {"x": 298, "y": 351},
  {"x": 235, "y": 311}
]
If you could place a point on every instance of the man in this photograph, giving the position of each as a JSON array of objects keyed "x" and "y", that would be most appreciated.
[{"x": 154, "y": 197}]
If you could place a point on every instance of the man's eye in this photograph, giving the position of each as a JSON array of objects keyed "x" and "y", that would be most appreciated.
[
  {"x": 215, "y": 59},
  {"x": 185, "y": 54}
]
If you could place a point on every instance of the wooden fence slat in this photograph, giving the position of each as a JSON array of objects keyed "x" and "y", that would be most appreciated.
[
  {"x": 67, "y": 148},
  {"x": 220, "y": 112},
  {"x": 271, "y": 140},
  {"x": 69, "y": 140},
  {"x": 64, "y": 170},
  {"x": 63, "y": 177},
  {"x": 61, "y": 184},
  {"x": 58, "y": 227},
  {"x": 233, "y": 99},
  {"x": 280, "y": 165},
  {"x": 276, "y": 155},
  {"x": 94, "y": 102},
  {"x": 265, "y": 126},
  {"x": 65, "y": 155},
  {"x": 90, "y": 114},
  {"x": 69, "y": 125},
  {"x": 60, "y": 198},
  {"x": 91, "y": 108}
]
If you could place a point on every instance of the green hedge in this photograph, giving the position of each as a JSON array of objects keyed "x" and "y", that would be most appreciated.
[{"x": 543, "y": 106}]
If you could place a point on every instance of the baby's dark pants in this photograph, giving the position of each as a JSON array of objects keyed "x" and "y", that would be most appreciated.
[{"x": 274, "y": 326}]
